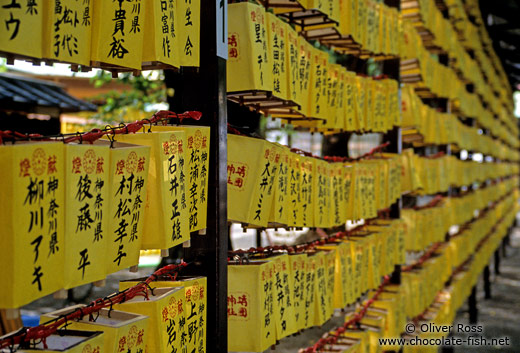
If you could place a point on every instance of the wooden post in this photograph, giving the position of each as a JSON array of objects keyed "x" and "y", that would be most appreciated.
[
  {"x": 472, "y": 304},
  {"x": 487, "y": 283}
]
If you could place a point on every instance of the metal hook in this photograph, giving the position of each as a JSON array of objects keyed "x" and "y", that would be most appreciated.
[
  {"x": 123, "y": 125},
  {"x": 150, "y": 122},
  {"x": 149, "y": 287},
  {"x": 111, "y": 306},
  {"x": 111, "y": 138},
  {"x": 81, "y": 312},
  {"x": 91, "y": 317}
]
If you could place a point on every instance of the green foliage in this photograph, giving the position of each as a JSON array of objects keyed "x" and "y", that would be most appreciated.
[
  {"x": 146, "y": 91},
  {"x": 3, "y": 65}
]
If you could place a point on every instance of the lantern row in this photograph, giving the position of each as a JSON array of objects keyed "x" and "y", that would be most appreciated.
[
  {"x": 162, "y": 312},
  {"x": 479, "y": 71},
  {"x": 476, "y": 37},
  {"x": 364, "y": 28},
  {"x": 433, "y": 79},
  {"x": 426, "y": 226},
  {"x": 444, "y": 128},
  {"x": 272, "y": 186},
  {"x": 428, "y": 176},
  {"x": 81, "y": 211},
  {"x": 272, "y": 68},
  {"x": 274, "y": 296},
  {"x": 119, "y": 35},
  {"x": 423, "y": 296},
  {"x": 271, "y": 298}
]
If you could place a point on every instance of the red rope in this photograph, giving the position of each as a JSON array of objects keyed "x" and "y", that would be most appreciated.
[
  {"x": 369, "y": 154},
  {"x": 96, "y": 134},
  {"x": 332, "y": 339},
  {"x": 433, "y": 203},
  {"x": 356, "y": 319},
  {"x": 45, "y": 330},
  {"x": 292, "y": 249},
  {"x": 436, "y": 155}
]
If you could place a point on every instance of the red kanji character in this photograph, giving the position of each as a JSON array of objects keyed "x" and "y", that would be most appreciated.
[
  {"x": 188, "y": 295},
  {"x": 231, "y": 312},
  {"x": 201, "y": 292},
  {"x": 180, "y": 146},
  {"x": 242, "y": 312},
  {"x": 165, "y": 314},
  {"x": 166, "y": 147},
  {"x": 266, "y": 155},
  {"x": 242, "y": 171},
  {"x": 263, "y": 276},
  {"x": 403, "y": 105},
  {"x": 140, "y": 164},
  {"x": 122, "y": 344},
  {"x": 180, "y": 309},
  {"x": 231, "y": 300},
  {"x": 253, "y": 16},
  {"x": 99, "y": 165},
  {"x": 284, "y": 266},
  {"x": 120, "y": 166},
  {"x": 25, "y": 165},
  {"x": 229, "y": 181},
  {"x": 204, "y": 142},
  {"x": 232, "y": 40},
  {"x": 231, "y": 168},
  {"x": 242, "y": 300},
  {"x": 76, "y": 165},
  {"x": 51, "y": 166},
  {"x": 233, "y": 53},
  {"x": 277, "y": 158},
  {"x": 96, "y": 350},
  {"x": 140, "y": 337},
  {"x": 239, "y": 182},
  {"x": 190, "y": 142}
]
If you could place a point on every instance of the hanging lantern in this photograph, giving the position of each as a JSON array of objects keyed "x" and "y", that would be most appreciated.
[
  {"x": 195, "y": 289},
  {"x": 189, "y": 31},
  {"x": 165, "y": 308},
  {"x": 33, "y": 217},
  {"x": 166, "y": 220},
  {"x": 67, "y": 31},
  {"x": 248, "y": 65},
  {"x": 122, "y": 331},
  {"x": 128, "y": 191},
  {"x": 197, "y": 158},
  {"x": 117, "y": 34},
  {"x": 277, "y": 36},
  {"x": 251, "y": 179},
  {"x": 70, "y": 341},
  {"x": 161, "y": 35},
  {"x": 280, "y": 207},
  {"x": 251, "y": 312},
  {"x": 20, "y": 21},
  {"x": 87, "y": 169}
]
